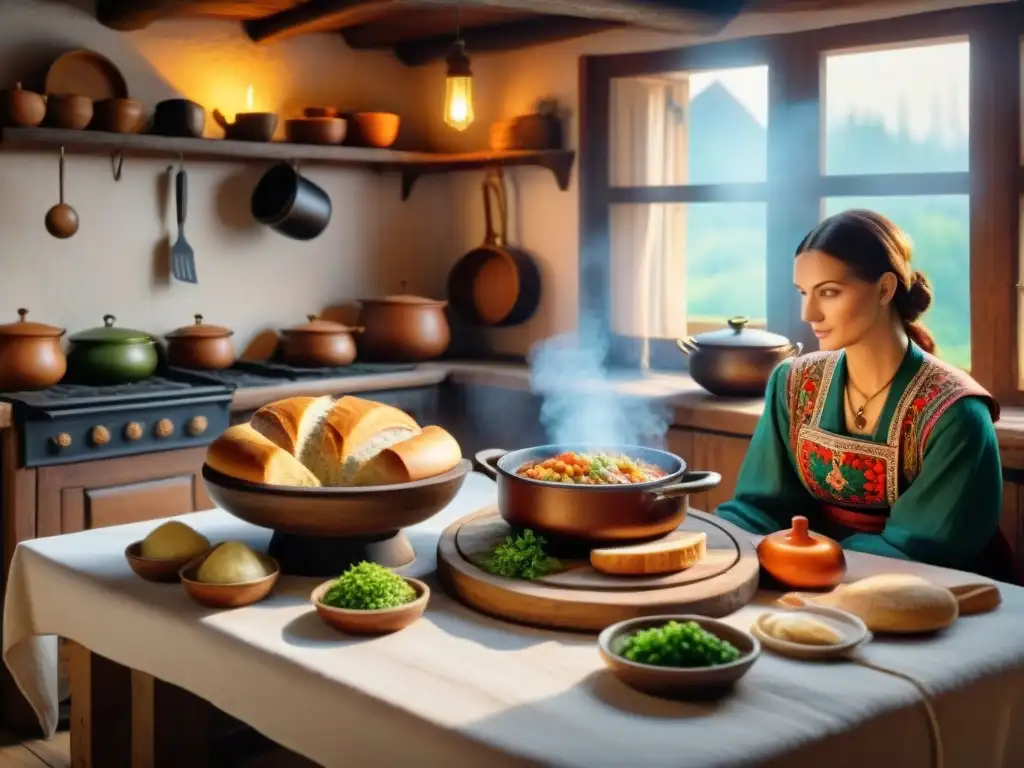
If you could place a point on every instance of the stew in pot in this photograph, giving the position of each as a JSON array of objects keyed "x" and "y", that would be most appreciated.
[{"x": 591, "y": 469}]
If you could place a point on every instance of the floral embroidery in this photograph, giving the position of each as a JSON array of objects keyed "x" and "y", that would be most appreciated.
[
  {"x": 807, "y": 380},
  {"x": 835, "y": 470}
]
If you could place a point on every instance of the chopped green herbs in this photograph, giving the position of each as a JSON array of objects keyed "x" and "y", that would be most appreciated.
[
  {"x": 676, "y": 644},
  {"x": 369, "y": 587},
  {"x": 521, "y": 557}
]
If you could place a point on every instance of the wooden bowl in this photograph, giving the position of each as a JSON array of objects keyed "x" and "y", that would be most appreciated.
[
  {"x": 154, "y": 568},
  {"x": 677, "y": 682},
  {"x": 67, "y": 111},
  {"x": 316, "y": 130},
  {"x": 344, "y": 512},
  {"x": 117, "y": 116},
  {"x": 228, "y": 595},
  {"x": 377, "y": 129},
  {"x": 380, "y": 622}
]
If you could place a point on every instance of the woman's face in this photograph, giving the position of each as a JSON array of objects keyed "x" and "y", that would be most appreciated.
[{"x": 840, "y": 307}]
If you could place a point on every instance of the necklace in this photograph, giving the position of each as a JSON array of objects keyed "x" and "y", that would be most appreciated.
[{"x": 859, "y": 421}]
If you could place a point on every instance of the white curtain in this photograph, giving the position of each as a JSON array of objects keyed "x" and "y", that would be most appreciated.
[{"x": 649, "y": 146}]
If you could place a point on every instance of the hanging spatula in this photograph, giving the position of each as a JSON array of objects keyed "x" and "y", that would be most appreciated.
[{"x": 183, "y": 258}]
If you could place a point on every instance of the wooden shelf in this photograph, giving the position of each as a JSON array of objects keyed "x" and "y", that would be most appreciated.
[{"x": 411, "y": 165}]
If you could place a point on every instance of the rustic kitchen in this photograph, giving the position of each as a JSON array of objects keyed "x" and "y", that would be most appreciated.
[{"x": 375, "y": 367}]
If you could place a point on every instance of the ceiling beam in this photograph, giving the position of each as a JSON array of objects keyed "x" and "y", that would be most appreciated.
[
  {"x": 317, "y": 15},
  {"x": 127, "y": 15},
  {"x": 507, "y": 36}
]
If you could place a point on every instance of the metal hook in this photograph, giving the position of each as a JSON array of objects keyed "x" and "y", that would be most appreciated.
[
  {"x": 117, "y": 163},
  {"x": 181, "y": 161}
]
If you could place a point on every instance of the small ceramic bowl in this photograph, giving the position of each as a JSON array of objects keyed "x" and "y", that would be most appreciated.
[
  {"x": 229, "y": 595},
  {"x": 677, "y": 682},
  {"x": 154, "y": 568},
  {"x": 853, "y": 631},
  {"x": 380, "y": 622}
]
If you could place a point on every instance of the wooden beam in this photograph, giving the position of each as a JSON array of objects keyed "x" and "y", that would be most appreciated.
[
  {"x": 317, "y": 15},
  {"x": 127, "y": 15},
  {"x": 508, "y": 36}
]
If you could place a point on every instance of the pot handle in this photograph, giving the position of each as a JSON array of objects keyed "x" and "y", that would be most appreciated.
[
  {"x": 796, "y": 348},
  {"x": 694, "y": 481},
  {"x": 486, "y": 459},
  {"x": 687, "y": 345}
]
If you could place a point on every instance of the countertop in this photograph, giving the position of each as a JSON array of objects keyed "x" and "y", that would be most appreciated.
[{"x": 692, "y": 407}]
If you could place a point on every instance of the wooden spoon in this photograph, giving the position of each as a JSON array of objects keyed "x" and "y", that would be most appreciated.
[{"x": 62, "y": 219}]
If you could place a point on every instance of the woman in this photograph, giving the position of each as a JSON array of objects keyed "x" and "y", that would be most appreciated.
[{"x": 877, "y": 442}]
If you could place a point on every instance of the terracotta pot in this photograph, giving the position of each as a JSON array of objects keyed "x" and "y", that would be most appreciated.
[
  {"x": 802, "y": 559},
  {"x": 112, "y": 355},
  {"x": 403, "y": 329},
  {"x": 64, "y": 110},
  {"x": 205, "y": 347},
  {"x": 117, "y": 116},
  {"x": 21, "y": 108},
  {"x": 31, "y": 356},
  {"x": 735, "y": 362},
  {"x": 319, "y": 343}
]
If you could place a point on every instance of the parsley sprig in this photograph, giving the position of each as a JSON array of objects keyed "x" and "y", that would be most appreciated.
[{"x": 521, "y": 557}]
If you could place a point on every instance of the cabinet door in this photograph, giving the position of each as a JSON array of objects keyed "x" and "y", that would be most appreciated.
[
  {"x": 96, "y": 494},
  {"x": 709, "y": 451}
]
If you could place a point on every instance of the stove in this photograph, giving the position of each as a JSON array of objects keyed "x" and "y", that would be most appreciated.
[
  {"x": 270, "y": 373},
  {"x": 73, "y": 422}
]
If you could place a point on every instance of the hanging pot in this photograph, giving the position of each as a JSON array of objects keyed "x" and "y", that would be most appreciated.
[
  {"x": 735, "y": 361},
  {"x": 290, "y": 203},
  {"x": 200, "y": 346},
  {"x": 111, "y": 355},
  {"x": 30, "y": 355},
  {"x": 318, "y": 343},
  {"x": 495, "y": 285},
  {"x": 403, "y": 328}
]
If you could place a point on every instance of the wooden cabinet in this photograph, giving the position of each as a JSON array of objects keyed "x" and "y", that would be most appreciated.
[{"x": 714, "y": 451}]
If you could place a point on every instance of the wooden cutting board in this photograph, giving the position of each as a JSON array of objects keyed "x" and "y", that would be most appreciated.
[{"x": 582, "y": 599}]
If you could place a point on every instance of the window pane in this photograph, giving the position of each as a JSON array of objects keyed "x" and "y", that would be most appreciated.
[
  {"x": 897, "y": 110},
  {"x": 939, "y": 229},
  {"x": 689, "y": 128},
  {"x": 679, "y": 268}
]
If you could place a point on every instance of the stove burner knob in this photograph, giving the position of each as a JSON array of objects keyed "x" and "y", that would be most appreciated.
[
  {"x": 133, "y": 431},
  {"x": 197, "y": 425},
  {"x": 164, "y": 428},
  {"x": 100, "y": 435},
  {"x": 63, "y": 440}
]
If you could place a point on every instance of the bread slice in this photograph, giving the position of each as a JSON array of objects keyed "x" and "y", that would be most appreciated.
[
  {"x": 675, "y": 553},
  {"x": 352, "y": 432},
  {"x": 289, "y": 423},
  {"x": 432, "y": 452},
  {"x": 243, "y": 453}
]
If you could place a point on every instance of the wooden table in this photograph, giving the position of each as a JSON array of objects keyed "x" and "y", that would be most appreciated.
[{"x": 457, "y": 688}]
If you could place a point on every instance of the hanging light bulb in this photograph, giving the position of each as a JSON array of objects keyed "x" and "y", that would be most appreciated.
[{"x": 458, "y": 96}]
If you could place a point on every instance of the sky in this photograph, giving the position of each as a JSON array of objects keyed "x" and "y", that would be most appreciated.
[{"x": 873, "y": 82}]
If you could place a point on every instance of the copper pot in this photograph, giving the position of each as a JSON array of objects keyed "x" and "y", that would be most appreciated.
[
  {"x": 31, "y": 356},
  {"x": 595, "y": 513},
  {"x": 21, "y": 108},
  {"x": 403, "y": 329},
  {"x": 206, "y": 347},
  {"x": 319, "y": 343},
  {"x": 802, "y": 559},
  {"x": 735, "y": 362}
]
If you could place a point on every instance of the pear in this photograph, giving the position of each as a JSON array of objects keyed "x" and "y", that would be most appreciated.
[
  {"x": 173, "y": 541},
  {"x": 231, "y": 563}
]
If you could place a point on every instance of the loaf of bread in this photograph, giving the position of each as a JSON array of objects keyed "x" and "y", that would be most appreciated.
[
  {"x": 243, "y": 453},
  {"x": 430, "y": 453},
  {"x": 895, "y": 602},
  {"x": 800, "y": 628},
  {"x": 289, "y": 423},
  {"x": 669, "y": 555}
]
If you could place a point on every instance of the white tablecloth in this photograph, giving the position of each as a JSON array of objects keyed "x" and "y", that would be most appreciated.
[{"x": 460, "y": 689}]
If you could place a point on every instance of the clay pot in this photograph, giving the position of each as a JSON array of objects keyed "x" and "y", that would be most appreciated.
[
  {"x": 318, "y": 343},
  {"x": 117, "y": 116},
  {"x": 375, "y": 129},
  {"x": 31, "y": 356},
  {"x": 199, "y": 346},
  {"x": 65, "y": 110},
  {"x": 21, "y": 109},
  {"x": 802, "y": 559},
  {"x": 403, "y": 329},
  {"x": 315, "y": 130}
]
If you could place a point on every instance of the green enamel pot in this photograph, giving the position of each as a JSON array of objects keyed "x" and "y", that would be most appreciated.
[{"x": 112, "y": 355}]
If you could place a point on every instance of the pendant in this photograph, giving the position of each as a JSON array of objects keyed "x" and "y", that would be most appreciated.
[{"x": 858, "y": 419}]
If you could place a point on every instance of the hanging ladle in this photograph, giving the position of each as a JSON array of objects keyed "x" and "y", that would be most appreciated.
[{"x": 62, "y": 219}]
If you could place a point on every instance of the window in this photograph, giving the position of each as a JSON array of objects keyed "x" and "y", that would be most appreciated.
[{"x": 696, "y": 186}]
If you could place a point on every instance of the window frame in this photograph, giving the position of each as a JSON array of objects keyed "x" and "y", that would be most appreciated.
[{"x": 797, "y": 185}]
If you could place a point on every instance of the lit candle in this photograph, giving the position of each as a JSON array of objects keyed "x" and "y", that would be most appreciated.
[{"x": 249, "y": 98}]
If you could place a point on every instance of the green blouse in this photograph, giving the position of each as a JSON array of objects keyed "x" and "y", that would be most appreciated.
[{"x": 946, "y": 516}]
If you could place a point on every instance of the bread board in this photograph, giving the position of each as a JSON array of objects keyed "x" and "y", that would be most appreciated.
[{"x": 579, "y": 598}]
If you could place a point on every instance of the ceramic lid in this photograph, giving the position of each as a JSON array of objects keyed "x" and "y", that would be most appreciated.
[
  {"x": 24, "y": 327},
  {"x": 406, "y": 299},
  {"x": 200, "y": 331},
  {"x": 737, "y": 335},
  {"x": 319, "y": 325},
  {"x": 109, "y": 334}
]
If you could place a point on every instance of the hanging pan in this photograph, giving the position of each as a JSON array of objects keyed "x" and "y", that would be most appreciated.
[{"x": 495, "y": 285}]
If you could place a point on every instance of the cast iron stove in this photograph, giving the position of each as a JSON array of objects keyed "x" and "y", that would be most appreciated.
[
  {"x": 72, "y": 422},
  {"x": 271, "y": 373}
]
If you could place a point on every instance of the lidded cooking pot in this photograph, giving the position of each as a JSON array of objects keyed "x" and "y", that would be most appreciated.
[
  {"x": 112, "y": 355},
  {"x": 318, "y": 343},
  {"x": 31, "y": 356},
  {"x": 201, "y": 346},
  {"x": 403, "y": 328},
  {"x": 736, "y": 361}
]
